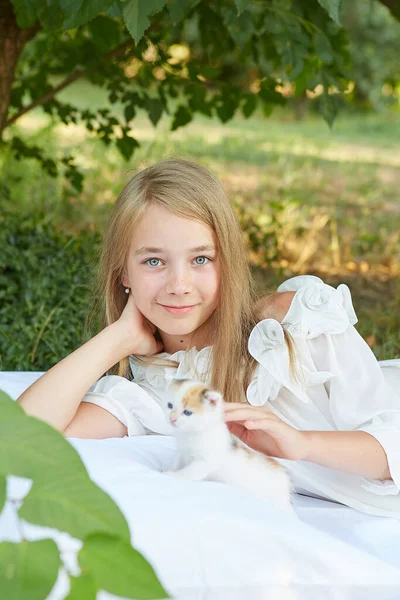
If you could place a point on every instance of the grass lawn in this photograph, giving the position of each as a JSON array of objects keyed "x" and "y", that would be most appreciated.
[{"x": 328, "y": 200}]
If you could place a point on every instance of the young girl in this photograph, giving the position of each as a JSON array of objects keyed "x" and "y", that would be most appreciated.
[{"x": 176, "y": 297}]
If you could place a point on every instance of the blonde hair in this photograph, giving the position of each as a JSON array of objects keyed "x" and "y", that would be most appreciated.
[{"x": 191, "y": 191}]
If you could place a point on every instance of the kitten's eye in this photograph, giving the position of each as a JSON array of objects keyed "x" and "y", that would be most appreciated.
[
  {"x": 187, "y": 413},
  {"x": 170, "y": 405}
]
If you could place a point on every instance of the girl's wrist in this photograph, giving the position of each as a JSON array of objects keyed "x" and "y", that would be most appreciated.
[
  {"x": 307, "y": 447},
  {"x": 123, "y": 344}
]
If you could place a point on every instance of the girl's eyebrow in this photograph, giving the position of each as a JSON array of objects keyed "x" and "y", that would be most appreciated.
[{"x": 154, "y": 250}]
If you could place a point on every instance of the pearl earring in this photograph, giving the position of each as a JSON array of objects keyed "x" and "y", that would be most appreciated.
[{"x": 126, "y": 290}]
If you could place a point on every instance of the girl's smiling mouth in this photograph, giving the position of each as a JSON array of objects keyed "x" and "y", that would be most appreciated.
[{"x": 178, "y": 310}]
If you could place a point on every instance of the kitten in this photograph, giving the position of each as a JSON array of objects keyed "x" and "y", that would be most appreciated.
[{"x": 207, "y": 449}]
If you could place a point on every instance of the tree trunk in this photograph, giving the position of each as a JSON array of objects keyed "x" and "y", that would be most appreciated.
[{"x": 12, "y": 40}]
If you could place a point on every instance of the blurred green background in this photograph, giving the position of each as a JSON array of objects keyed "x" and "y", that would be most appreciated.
[{"x": 311, "y": 200}]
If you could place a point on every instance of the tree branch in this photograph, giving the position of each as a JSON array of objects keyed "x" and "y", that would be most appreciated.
[{"x": 67, "y": 81}]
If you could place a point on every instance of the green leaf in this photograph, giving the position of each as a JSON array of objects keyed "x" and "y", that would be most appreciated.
[
  {"x": 240, "y": 27},
  {"x": 106, "y": 32},
  {"x": 323, "y": 47},
  {"x": 126, "y": 145},
  {"x": 3, "y": 492},
  {"x": 28, "y": 570},
  {"x": 26, "y": 12},
  {"x": 332, "y": 8},
  {"x": 82, "y": 588},
  {"x": 119, "y": 569},
  {"x": 241, "y": 5},
  {"x": 154, "y": 109},
  {"x": 136, "y": 15},
  {"x": 182, "y": 117},
  {"x": 115, "y": 10},
  {"x": 209, "y": 72},
  {"x": 41, "y": 450},
  {"x": 197, "y": 96},
  {"x": 129, "y": 112},
  {"x": 54, "y": 503},
  {"x": 249, "y": 105},
  {"x": 268, "y": 93},
  {"x": 328, "y": 107},
  {"x": 51, "y": 16},
  {"x": 303, "y": 80},
  {"x": 59, "y": 475},
  {"x": 178, "y": 9},
  {"x": 79, "y": 12}
]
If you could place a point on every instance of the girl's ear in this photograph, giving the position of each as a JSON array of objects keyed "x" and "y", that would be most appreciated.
[
  {"x": 124, "y": 278},
  {"x": 213, "y": 397}
]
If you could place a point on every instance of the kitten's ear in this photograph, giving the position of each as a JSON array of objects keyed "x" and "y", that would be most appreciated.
[{"x": 213, "y": 397}]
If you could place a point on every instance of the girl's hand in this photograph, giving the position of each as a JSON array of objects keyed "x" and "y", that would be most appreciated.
[
  {"x": 263, "y": 431},
  {"x": 139, "y": 330}
]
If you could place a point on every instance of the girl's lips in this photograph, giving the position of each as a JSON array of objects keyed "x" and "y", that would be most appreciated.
[{"x": 178, "y": 311}]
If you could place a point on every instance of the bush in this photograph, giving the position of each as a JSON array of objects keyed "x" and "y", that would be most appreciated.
[{"x": 45, "y": 275}]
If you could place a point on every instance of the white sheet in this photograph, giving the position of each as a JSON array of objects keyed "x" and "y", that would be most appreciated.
[{"x": 208, "y": 540}]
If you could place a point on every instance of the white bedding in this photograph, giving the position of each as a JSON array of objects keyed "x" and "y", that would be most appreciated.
[{"x": 211, "y": 541}]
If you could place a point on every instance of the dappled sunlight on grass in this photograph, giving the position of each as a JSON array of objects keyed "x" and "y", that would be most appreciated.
[{"x": 343, "y": 153}]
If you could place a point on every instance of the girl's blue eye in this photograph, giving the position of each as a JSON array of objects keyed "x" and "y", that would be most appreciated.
[
  {"x": 170, "y": 405},
  {"x": 187, "y": 413},
  {"x": 146, "y": 262},
  {"x": 202, "y": 257}
]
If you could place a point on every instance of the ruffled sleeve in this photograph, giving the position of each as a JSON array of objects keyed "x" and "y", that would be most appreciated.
[
  {"x": 316, "y": 308},
  {"x": 130, "y": 404},
  {"x": 331, "y": 352}
]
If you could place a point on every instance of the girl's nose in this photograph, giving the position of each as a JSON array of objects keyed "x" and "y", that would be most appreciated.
[{"x": 179, "y": 282}]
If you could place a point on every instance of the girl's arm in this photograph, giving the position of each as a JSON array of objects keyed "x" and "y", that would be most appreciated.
[
  {"x": 92, "y": 421},
  {"x": 56, "y": 395},
  {"x": 356, "y": 452}
]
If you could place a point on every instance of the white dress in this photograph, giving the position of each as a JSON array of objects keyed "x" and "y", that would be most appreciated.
[{"x": 342, "y": 387}]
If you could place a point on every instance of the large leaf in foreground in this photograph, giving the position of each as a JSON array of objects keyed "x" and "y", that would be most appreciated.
[
  {"x": 31, "y": 448},
  {"x": 62, "y": 496},
  {"x": 3, "y": 492},
  {"x": 104, "y": 556},
  {"x": 75, "y": 505},
  {"x": 28, "y": 570},
  {"x": 82, "y": 588}
]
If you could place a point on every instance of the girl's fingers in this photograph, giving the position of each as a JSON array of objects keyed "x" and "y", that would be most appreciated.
[
  {"x": 264, "y": 424},
  {"x": 237, "y": 429},
  {"x": 242, "y": 414},
  {"x": 232, "y": 405}
]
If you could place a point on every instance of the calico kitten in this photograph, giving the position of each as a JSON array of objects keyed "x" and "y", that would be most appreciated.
[{"x": 207, "y": 449}]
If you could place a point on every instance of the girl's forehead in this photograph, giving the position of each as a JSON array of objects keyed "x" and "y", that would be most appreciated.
[
  {"x": 169, "y": 232},
  {"x": 161, "y": 218}
]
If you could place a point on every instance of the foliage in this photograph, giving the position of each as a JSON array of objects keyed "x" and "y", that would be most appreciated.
[
  {"x": 187, "y": 57},
  {"x": 63, "y": 497},
  {"x": 44, "y": 276},
  {"x": 374, "y": 37}
]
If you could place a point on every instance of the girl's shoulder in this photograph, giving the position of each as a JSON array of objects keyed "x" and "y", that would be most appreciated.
[
  {"x": 276, "y": 306},
  {"x": 307, "y": 307}
]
